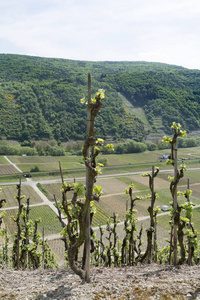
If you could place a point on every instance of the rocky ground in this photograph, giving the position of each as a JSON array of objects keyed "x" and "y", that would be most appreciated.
[{"x": 140, "y": 282}]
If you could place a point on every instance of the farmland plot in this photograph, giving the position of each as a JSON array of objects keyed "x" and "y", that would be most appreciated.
[
  {"x": 111, "y": 185},
  {"x": 195, "y": 193},
  {"x": 110, "y": 204},
  {"x": 100, "y": 217},
  {"x": 10, "y": 192},
  {"x": 3, "y": 161},
  {"x": 47, "y": 163},
  {"x": 132, "y": 158},
  {"x": 57, "y": 246},
  {"x": 10, "y": 224},
  {"x": 26, "y": 167},
  {"x": 193, "y": 175},
  {"x": 49, "y": 220},
  {"x": 158, "y": 183},
  {"x": 196, "y": 219},
  {"x": 8, "y": 169},
  {"x": 25, "y": 159},
  {"x": 137, "y": 186},
  {"x": 55, "y": 189}
]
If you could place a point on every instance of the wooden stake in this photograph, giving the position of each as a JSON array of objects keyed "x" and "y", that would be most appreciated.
[
  {"x": 189, "y": 227},
  {"x": 151, "y": 215},
  {"x": 87, "y": 262},
  {"x": 175, "y": 203},
  {"x": 43, "y": 248},
  {"x": 188, "y": 187},
  {"x": 61, "y": 173},
  {"x": 18, "y": 225}
]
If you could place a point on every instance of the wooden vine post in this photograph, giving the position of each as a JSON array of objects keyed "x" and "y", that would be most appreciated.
[
  {"x": 87, "y": 261},
  {"x": 189, "y": 227},
  {"x": 18, "y": 233},
  {"x": 175, "y": 203},
  {"x": 152, "y": 225}
]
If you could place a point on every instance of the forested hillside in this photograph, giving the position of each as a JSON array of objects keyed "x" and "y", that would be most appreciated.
[{"x": 40, "y": 97}]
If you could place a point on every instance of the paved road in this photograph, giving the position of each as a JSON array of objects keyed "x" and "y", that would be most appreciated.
[{"x": 48, "y": 181}]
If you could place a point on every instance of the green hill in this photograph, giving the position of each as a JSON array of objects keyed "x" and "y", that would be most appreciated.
[{"x": 40, "y": 98}]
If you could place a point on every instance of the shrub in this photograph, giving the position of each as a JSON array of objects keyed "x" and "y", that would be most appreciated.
[
  {"x": 103, "y": 160},
  {"x": 28, "y": 151},
  {"x": 151, "y": 146},
  {"x": 120, "y": 148},
  {"x": 130, "y": 147},
  {"x": 35, "y": 169},
  {"x": 136, "y": 147},
  {"x": 9, "y": 150},
  {"x": 55, "y": 151}
]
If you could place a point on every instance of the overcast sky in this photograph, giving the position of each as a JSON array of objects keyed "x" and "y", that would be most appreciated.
[{"x": 132, "y": 30}]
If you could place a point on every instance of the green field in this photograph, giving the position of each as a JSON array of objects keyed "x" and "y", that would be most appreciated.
[
  {"x": 49, "y": 163},
  {"x": 3, "y": 161},
  {"x": 10, "y": 192},
  {"x": 55, "y": 189},
  {"x": 49, "y": 220},
  {"x": 7, "y": 170},
  {"x": 7, "y": 179},
  {"x": 100, "y": 217}
]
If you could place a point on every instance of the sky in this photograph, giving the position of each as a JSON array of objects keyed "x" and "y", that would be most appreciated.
[{"x": 105, "y": 30}]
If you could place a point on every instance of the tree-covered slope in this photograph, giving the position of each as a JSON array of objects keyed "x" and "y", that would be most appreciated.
[
  {"x": 40, "y": 97},
  {"x": 174, "y": 95}
]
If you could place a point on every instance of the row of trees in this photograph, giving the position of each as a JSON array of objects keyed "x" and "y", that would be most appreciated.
[
  {"x": 137, "y": 147},
  {"x": 52, "y": 148},
  {"x": 33, "y": 148}
]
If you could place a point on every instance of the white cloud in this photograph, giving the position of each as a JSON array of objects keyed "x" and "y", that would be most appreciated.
[{"x": 165, "y": 31}]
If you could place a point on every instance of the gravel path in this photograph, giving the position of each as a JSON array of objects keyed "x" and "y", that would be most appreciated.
[{"x": 140, "y": 282}]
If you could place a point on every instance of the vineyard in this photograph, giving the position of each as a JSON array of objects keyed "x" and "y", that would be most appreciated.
[
  {"x": 26, "y": 163},
  {"x": 116, "y": 162},
  {"x": 9, "y": 193},
  {"x": 7, "y": 169},
  {"x": 113, "y": 200},
  {"x": 144, "y": 208}
]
